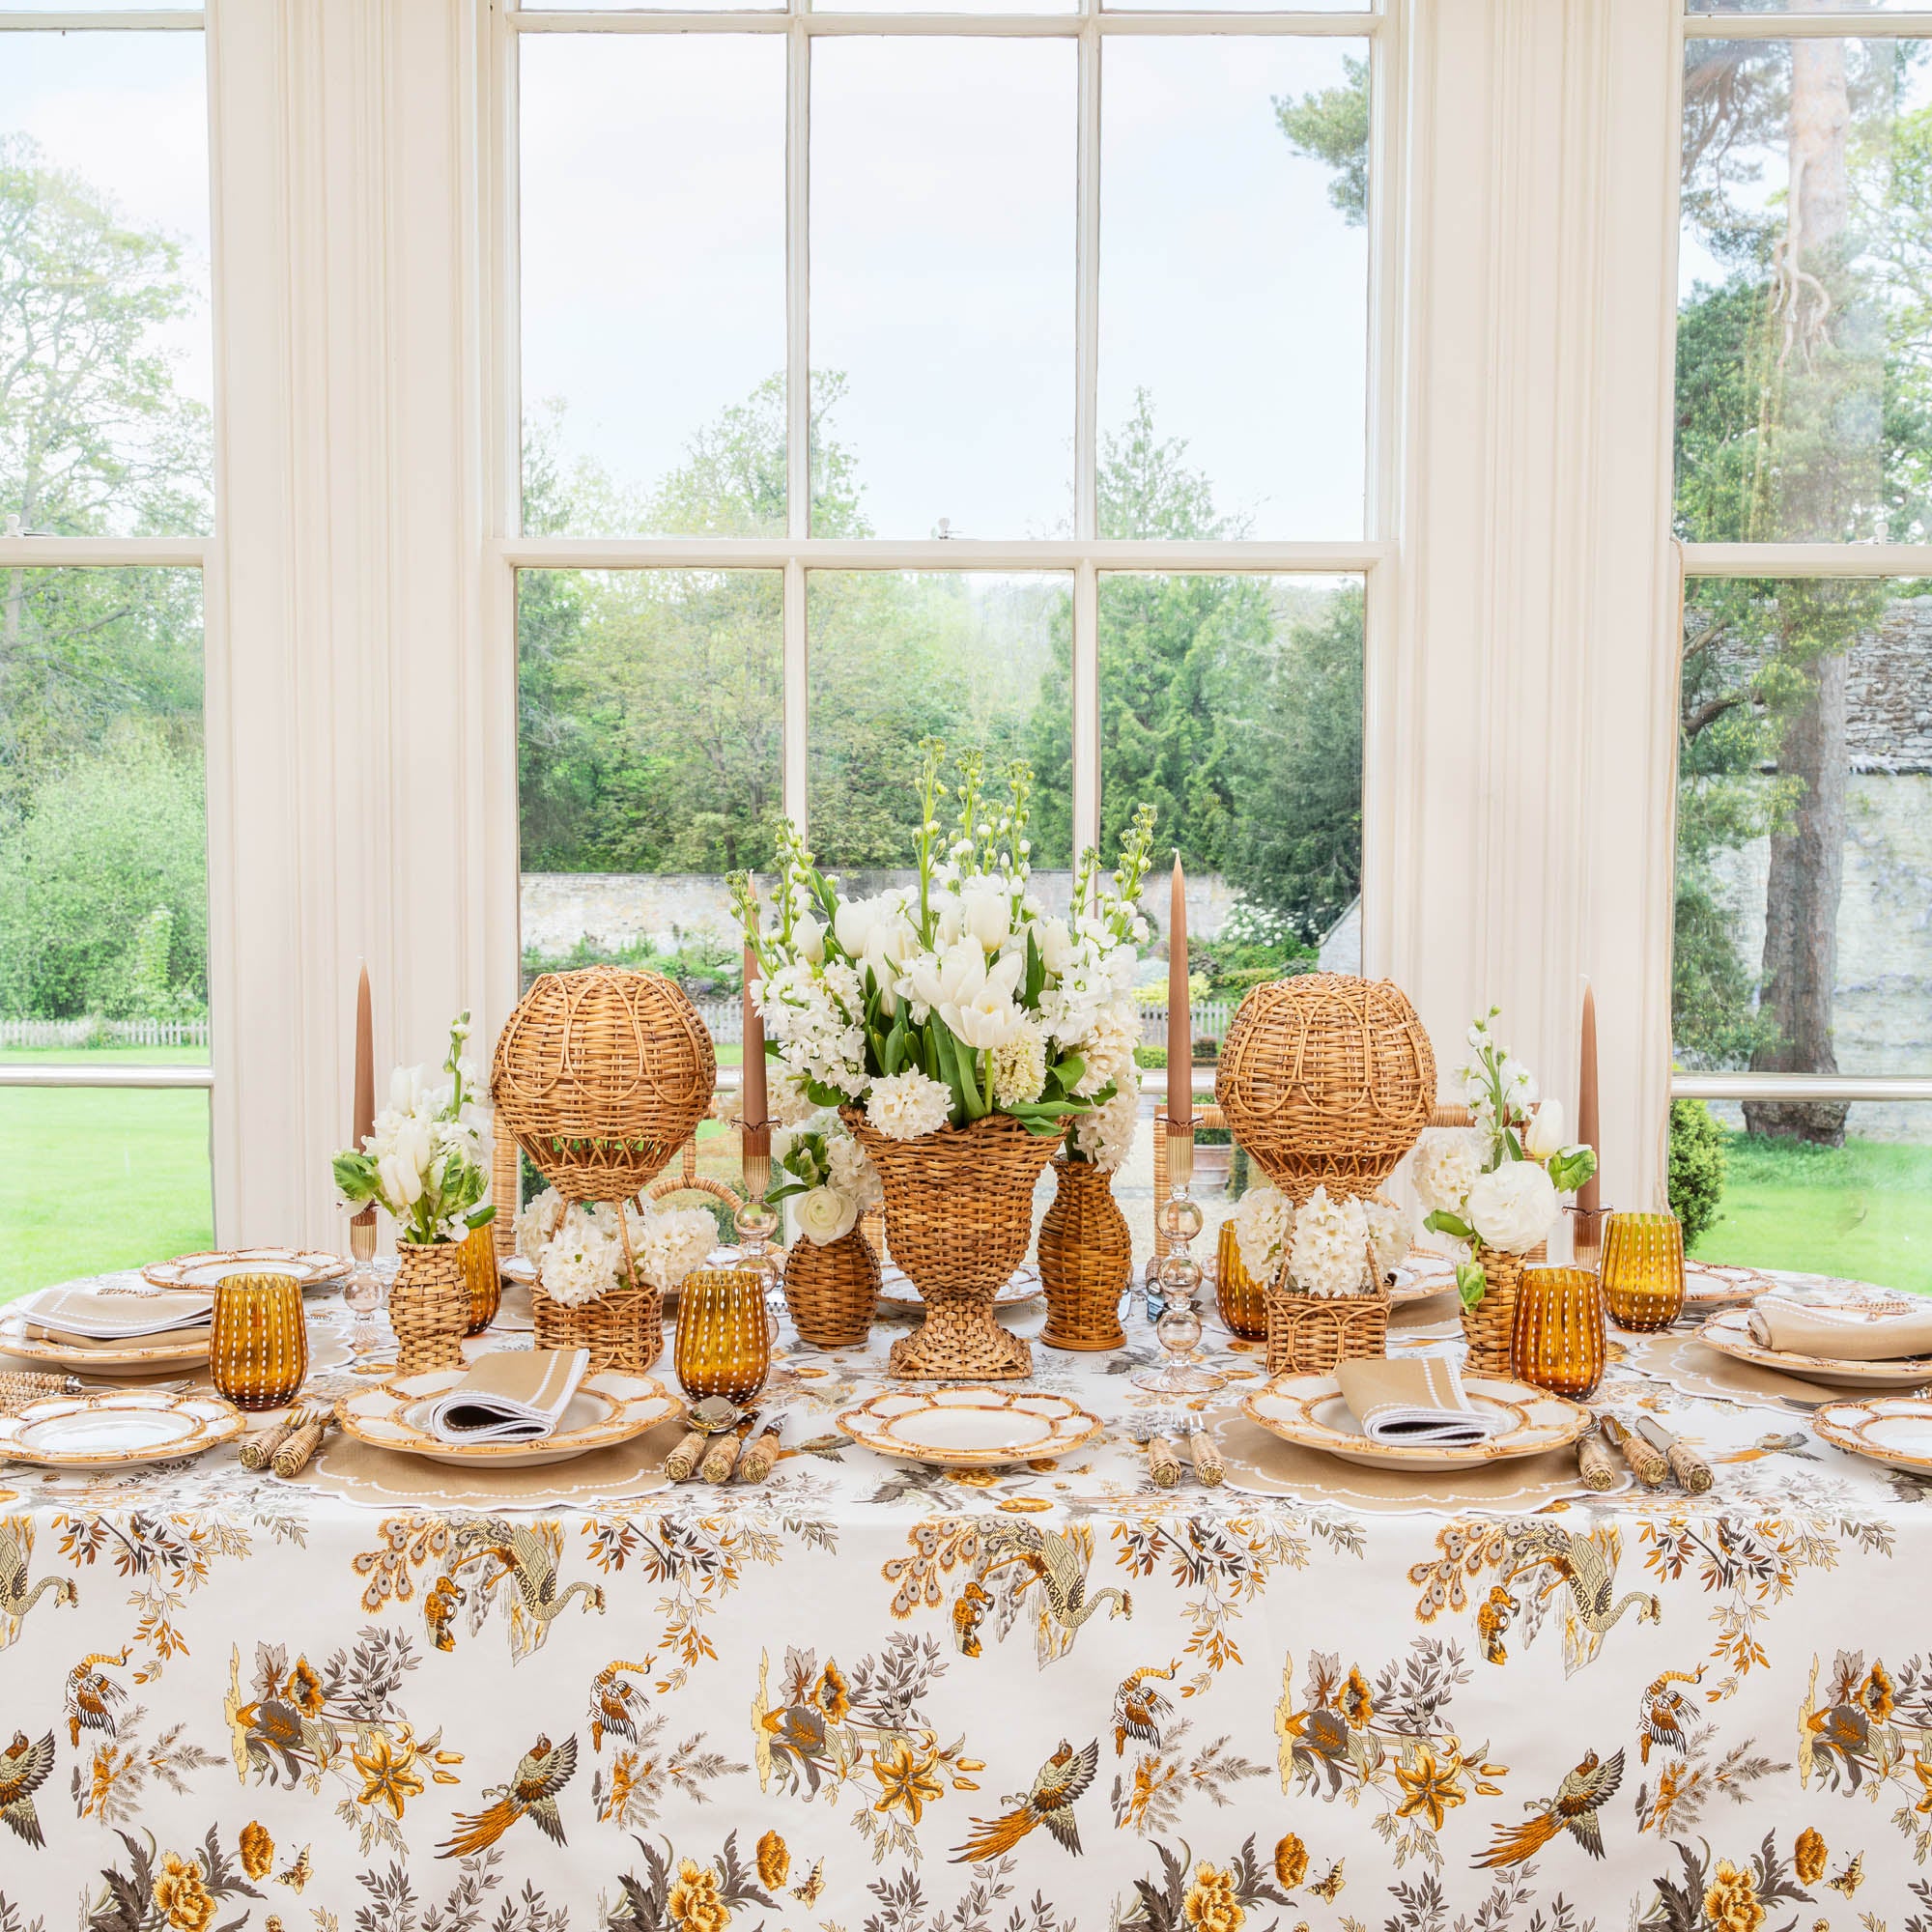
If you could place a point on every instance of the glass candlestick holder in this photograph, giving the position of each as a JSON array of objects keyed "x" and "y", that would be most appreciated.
[
  {"x": 1179, "y": 1329},
  {"x": 363, "y": 1293},
  {"x": 756, "y": 1222}
]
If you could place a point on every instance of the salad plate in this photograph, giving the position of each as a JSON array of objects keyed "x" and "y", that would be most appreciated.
[
  {"x": 1309, "y": 1411},
  {"x": 313, "y": 1268},
  {"x": 120, "y": 1428},
  {"x": 976, "y": 1428}
]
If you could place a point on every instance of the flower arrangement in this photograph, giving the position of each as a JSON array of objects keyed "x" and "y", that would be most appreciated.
[
  {"x": 1496, "y": 1184},
  {"x": 820, "y": 1166},
  {"x": 1329, "y": 1246},
  {"x": 578, "y": 1248},
  {"x": 427, "y": 1159},
  {"x": 937, "y": 1004}
]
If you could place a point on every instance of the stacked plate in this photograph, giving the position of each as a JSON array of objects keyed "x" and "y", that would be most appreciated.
[
  {"x": 119, "y": 1430},
  {"x": 1893, "y": 1430},
  {"x": 314, "y": 1268},
  {"x": 108, "y": 1325},
  {"x": 1729, "y": 1333},
  {"x": 978, "y": 1427}
]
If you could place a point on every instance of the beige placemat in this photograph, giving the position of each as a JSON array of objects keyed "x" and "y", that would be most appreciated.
[{"x": 1691, "y": 1369}]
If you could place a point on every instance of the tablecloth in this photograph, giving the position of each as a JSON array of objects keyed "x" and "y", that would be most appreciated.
[{"x": 878, "y": 1695}]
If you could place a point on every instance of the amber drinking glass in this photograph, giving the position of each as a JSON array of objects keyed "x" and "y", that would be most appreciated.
[
  {"x": 1558, "y": 1340},
  {"x": 1236, "y": 1293},
  {"x": 724, "y": 1346},
  {"x": 1643, "y": 1269},
  {"x": 258, "y": 1343},
  {"x": 480, "y": 1277}
]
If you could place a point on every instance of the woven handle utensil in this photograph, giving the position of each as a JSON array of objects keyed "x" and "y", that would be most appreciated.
[
  {"x": 760, "y": 1454},
  {"x": 18, "y": 1390},
  {"x": 1686, "y": 1464},
  {"x": 1596, "y": 1462},
  {"x": 259, "y": 1450},
  {"x": 293, "y": 1457},
  {"x": 722, "y": 1454},
  {"x": 1646, "y": 1460},
  {"x": 686, "y": 1457},
  {"x": 1208, "y": 1461}
]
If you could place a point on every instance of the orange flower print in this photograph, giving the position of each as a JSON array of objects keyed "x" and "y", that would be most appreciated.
[
  {"x": 696, "y": 1903},
  {"x": 305, "y": 1687},
  {"x": 1922, "y": 1767},
  {"x": 1731, "y": 1901},
  {"x": 1291, "y": 1862},
  {"x": 389, "y": 1776},
  {"x": 830, "y": 1694},
  {"x": 906, "y": 1779},
  {"x": 181, "y": 1896},
  {"x": 1211, "y": 1903},
  {"x": 1876, "y": 1693},
  {"x": 1428, "y": 1786},
  {"x": 258, "y": 1849},
  {"x": 1808, "y": 1856},
  {"x": 774, "y": 1862},
  {"x": 1356, "y": 1704}
]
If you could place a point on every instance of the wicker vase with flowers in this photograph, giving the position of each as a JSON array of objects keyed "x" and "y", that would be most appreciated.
[
  {"x": 1308, "y": 1334},
  {"x": 1086, "y": 1257},
  {"x": 1489, "y": 1326},
  {"x": 832, "y": 1290},
  {"x": 429, "y": 1306}
]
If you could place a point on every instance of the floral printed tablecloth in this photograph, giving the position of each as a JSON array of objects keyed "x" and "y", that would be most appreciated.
[{"x": 878, "y": 1696}]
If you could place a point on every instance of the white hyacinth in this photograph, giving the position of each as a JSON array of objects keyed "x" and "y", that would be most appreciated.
[
  {"x": 903, "y": 1106},
  {"x": 670, "y": 1242},
  {"x": 1263, "y": 1224},
  {"x": 1105, "y": 1135},
  {"x": 536, "y": 1223},
  {"x": 582, "y": 1262},
  {"x": 1328, "y": 1252},
  {"x": 1388, "y": 1233},
  {"x": 1444, "y": 1166},
  {"x": 1019, "y": 1067}
]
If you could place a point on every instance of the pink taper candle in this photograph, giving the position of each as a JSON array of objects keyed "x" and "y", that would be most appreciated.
[
  {"x": 758, "y": 1131},
  {"x": 1179, "y": 1025},
  {"x": 365, "y": 1072},
  {"x": 1588, "y": 1195}
]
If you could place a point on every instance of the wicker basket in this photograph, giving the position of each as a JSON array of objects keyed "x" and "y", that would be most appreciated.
[
  {"x": 1308, "y": 1334},
  {"x": 1326, "y": 1079},
  {"x": 429, "y": 1306},
  {"x": 601, "y": 1076},
  {"x": 624, "y": 1329},
  {"x": 1489, "y": 1326},
  {"x": 832, "y": 1291},
  {"x": 1085, "y": 1259},
  {"x": 958, "y": 1216}
]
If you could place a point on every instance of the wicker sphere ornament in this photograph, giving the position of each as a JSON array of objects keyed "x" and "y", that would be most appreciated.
[
  {"x": 601, "y": 1075},
  {"x": 1326, "y": 1080}
]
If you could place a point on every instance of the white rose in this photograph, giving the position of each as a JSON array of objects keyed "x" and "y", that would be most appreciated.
[
  {"x": 824, "y": 1214},
  {"x": 1513, "y": 1207},
  {"x": 1444, "y": 1166},
  {"x": 1546, "y": 1132}
]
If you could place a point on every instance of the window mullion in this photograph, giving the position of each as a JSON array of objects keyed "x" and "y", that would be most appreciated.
[
  {"x": 1085, "y": 697},
  {"x": 798, "y": 399},
  {"x": 1087, "y": 286}
]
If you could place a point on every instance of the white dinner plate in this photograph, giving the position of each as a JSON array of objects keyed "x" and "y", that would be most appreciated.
[
  {"x": 1310, "y": 1410},
  {"x": 313, "y": 1268},
  {"x": 132, "y": 1355},
  {"x": 121, "y": 1427},
  {"x": 978, "y": 1428},
  {"x": 1711, "y": 1285},
  {"x": 1895, "y": 1430},
  {"x": 1728, "y": 1331}
]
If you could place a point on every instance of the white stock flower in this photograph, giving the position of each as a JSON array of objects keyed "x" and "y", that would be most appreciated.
[
  {"x": 903, "y": 1106},
  {"x": 671, "y": 1242},
  {"x": 788, "y": 1103},
  {"x": 849, "y": 1169},
  {"x": 1264, "y": 1223},
  {"x": 1388, "y": 1233},
  {"x": 824, "y": 1214},
  {"x": 536, "y": 1223},
  {"x": 1513, "y": 1207},
  {"x": 1546, "y": 1132},
  {"x": 1019, "y": 1066},
  {"x": 1444, "y": 1166},
  {"x": 1328, "y": 1252},
  {"x": 1105, "y": 1134}
]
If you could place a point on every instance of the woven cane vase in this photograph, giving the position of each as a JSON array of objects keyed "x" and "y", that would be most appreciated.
[
  {"x": 1489, "y": 1327},
  {"x": 601, "y": 1075},
  {"x": 958, "y": 1216},
  {"x": 622, "y": 1329},
  {"x": 1085, "y": 1259},
  {"x": 429, "y": 1306},
  {"x": 1326, "y": 1080},
  {"x": 832, "y": 1291},
  {"x": 1308, "y": 1334}
]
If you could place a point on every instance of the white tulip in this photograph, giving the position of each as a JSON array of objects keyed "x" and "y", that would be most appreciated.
[
  {"x": 1546, "y": 1132},
  {"x": 983, "y": 910},
  {"x": 953, "y": 979},
  {"x": 989, "y": 1019},
  {"x": 1055, "y": 943},
  {"x": 402, "y": 1181},
  {"x": 853, "y": 924},
  {"x": 950, "y": 919},
  {"x": 808, "y": 936},
  {"x": 824, "y": 1214}
]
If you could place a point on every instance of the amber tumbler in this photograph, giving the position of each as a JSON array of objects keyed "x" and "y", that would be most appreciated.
[
  {"x": 1557, "y": 1343},
  {"x": 258, "y": 1343},
  {"x": 724, "y": 1345},
  {"x": 480, "y": 1277},
  {"x": 1643, "y": 1269},
  {"x": 1236, "y": 1293}
]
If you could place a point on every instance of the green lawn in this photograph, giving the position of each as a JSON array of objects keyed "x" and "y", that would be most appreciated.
[{"x": 1863, "y": 1209}]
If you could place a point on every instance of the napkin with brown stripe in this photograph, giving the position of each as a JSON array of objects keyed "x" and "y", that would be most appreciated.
[
  {"x": 512, "y": 1396},
  {"x": 1415, "y": 1399}
]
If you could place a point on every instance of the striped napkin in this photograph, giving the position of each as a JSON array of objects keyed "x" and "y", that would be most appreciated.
[
  {"x": 1840, "y": 1334},
  {"x": 511, "y": 1396},
  {"x": 87, "y": 1313},
  {"x": 1418, "y": 1399}
]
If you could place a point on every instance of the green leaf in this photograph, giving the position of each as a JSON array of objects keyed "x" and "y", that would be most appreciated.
[
  {"x": 1471, "y": 1284},
  {"x": 1035, "y": 971},
  {"x": 1443, "y": 1222},
  {"x": 481, "y": 1217},
  {"x": 1072, "y": 1071}
]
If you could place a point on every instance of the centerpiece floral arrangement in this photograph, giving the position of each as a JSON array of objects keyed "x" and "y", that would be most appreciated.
[
  {"x": 578, "y": 1248},
  {"x": 1495, "y": 1185},
  {"x": 825, "y": 1171},
  {"x": 427, "y": 1160},
  {"x": 940, "y": 1002},
  {"x": 1331, "y": 1246}
]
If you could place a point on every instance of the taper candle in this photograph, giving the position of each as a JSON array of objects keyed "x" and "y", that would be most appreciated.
[
  {"x": 365, "y": 1072},
  {"x": 756, "y": 1130},
  {"x": 1179, "y": 1025},
  {"x": 1589, "y": 1230}
]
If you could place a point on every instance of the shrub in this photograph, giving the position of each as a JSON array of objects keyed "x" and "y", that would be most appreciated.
[{"x": 1697, "y": 1165}]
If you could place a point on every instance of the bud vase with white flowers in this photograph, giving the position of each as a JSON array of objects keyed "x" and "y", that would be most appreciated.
[
  {"x": 427, "y": 1161},
  {"x": 1494, "y": 1187},
  {"x": 832, "y": 1277},
  {"x": 959, "y": 1028}
]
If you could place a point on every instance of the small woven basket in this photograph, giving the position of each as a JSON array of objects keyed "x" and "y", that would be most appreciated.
[
  {"x": 1326, "y": 1079},
  {"x": 1489, "y": 1327},
  {"x": 1308, "y": 1334},
  {"x": 1085, "y": 1255},
  {"x": 429, "y": 1306},
  {"x": 832, "y": 1291},
  {"x": 622, "y": 1329}
]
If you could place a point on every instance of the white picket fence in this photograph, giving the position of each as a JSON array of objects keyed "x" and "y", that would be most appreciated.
[{"x": 103, "y": 1033}]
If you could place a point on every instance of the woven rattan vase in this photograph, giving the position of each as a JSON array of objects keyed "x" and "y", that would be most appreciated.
[
  {"x": 1489, "y": 1327},
  {"x": 958, "y": 1214},
  {"x": 622, "y": 1329},
  {"x": 1308, "y": 1334},
  {"x": 1326, "y": 1079},
  {"x": 601, "y": 1075},
  {"x": 1085, "y": 1259},
  {"x": 429, "y": 1306},
  {"x": 832, "y": 1291}
]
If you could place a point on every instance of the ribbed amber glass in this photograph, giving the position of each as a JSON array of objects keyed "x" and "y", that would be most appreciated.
[
  {"x": 480, "y": 1277},
  {"x": 723, "y": 1343},
  {"x": 1643, "y": 1269},
  {"x": 1236, "y": 1293},
  {"x": 258, "y": 1343},
  {"x": 1558, "y": 1340}
]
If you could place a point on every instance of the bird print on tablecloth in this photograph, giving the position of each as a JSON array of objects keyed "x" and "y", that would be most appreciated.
[
  {"x": 1057, "y": 1560},
  {"x": 23, "y": 1768},
  {"x": 93, "y": 1698},
  {"x": 527, "y": 1554},
  {"x": 1061, "y": 1781},
  {"x": 541, "y": 1772},
  {"x": 17, "y": 1595},
  {"x": 617, "y": 1707},
  {"x": 1664, "y": 1720},
  {"x": 1139, "y": 1708},
  {"x": 1574, "y": 1810},
  {"x": 1588, "y": 1565}
]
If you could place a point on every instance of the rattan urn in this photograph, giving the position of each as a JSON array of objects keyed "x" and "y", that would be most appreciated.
[
  {"x": 1326, "y": 1080},
  {"x": 601, "y": 1075}
]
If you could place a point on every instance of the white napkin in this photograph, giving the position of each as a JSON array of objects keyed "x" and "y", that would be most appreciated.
[
  {"x": 1414, "y": 1399},
  {"x": 1831, "y": 1334},
  {"x": 95, "y": 1316},
  {"x": 511, "y": 1396}
]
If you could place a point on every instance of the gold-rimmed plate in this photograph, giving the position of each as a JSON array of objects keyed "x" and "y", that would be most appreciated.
[
  {"x": 899, "y": 1296},
  {"x": 1422, "y": 1277},
  {"x": 119, "y": 1428},
  {"x": 313, "y": 1268},
  {"x": 133, "y": 1356},
  {"x": 1309, "y": 1411},
  {"x": 976, "y": 1428},
  {"x": 1895, "y": 1430},
  {"x": 1728, "y": 1331},
  {"x": 607, "y": 1408},
  {"x": 1713, "y": 1285}
]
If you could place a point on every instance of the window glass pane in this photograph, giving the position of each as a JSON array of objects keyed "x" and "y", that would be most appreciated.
[
  {"x": 99, "y": 1178},
  {"x": 106, "y": 351},
  {"x": 942, "y": 286},
  {"x": 1805, "y": 304},
  {"x": 1239, "y": 6},
  {"x": 1696, "y": 7},
  {"x": 1804, "y": 942},
  {"x": 1862, "y": 1209},
  {"x": 981, "y": 661},
  {"x": 652, "y": 219},
  {"x": 1233, "y": 282}
]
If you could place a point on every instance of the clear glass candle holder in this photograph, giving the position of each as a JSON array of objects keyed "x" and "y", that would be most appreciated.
[{"x": 1643, "y": 1270}]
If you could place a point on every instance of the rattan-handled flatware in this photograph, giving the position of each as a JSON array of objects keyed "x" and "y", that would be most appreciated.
[
  {"x": 686, "y": 1457},
  {"x": 1646, "y": 1460},
  {"x": 1596, "y": 1463},
  {"x": 761, "y": 1453},
  {"x": 1686, "y": 1464}
]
